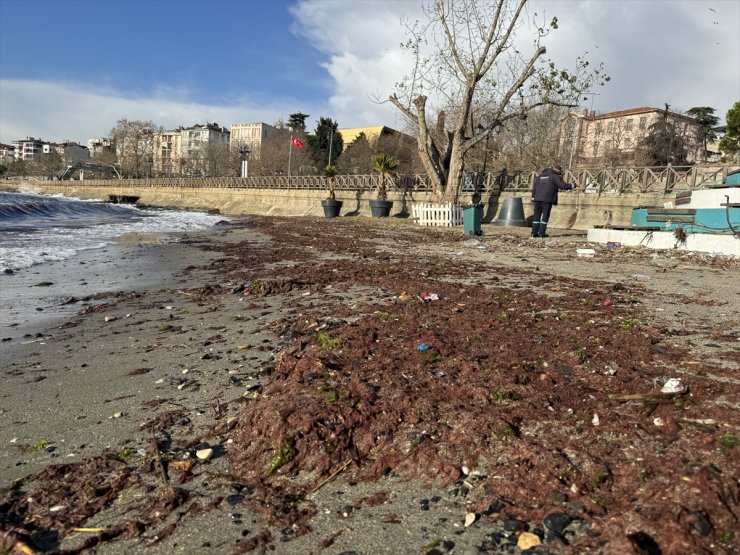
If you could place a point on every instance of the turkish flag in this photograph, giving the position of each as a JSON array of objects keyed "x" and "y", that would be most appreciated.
[{"x": 296, "y": 142}]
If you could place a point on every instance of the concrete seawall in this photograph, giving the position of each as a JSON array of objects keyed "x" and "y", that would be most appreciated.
[{"x": 576, "y": 209}]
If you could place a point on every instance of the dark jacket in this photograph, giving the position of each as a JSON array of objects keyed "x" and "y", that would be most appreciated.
[{"x": 546, "y": 186}]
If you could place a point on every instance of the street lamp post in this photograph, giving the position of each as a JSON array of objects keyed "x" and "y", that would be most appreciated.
[{"x": 244, "y": 151}]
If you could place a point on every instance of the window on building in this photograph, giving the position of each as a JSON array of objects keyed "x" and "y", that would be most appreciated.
[
  {"x": 629, "y": 123},
  {"x": 610, "y": 126},
  {"x": 596, "y": 148},
  {"x": 599, "y": 127},
  {"x": 643, "y": 122}
]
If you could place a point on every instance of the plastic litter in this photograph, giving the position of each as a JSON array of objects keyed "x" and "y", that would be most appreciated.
[
  {"x": 611, "y": 245},
  {"x": 423, "y": 347},
  {"x": 586, "y": 252},
  {"x": 641, "y": 277},
  {"x": 673, "y": 385},
  {"x": 428, "y": 296}
]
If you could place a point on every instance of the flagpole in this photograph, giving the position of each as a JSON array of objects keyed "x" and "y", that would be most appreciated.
[{"x": 290, "y": 153}]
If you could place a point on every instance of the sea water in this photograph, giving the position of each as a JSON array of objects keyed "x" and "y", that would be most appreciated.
[
  {"x": 38, "y": 228},
  {"x": 54, "y": 248}
]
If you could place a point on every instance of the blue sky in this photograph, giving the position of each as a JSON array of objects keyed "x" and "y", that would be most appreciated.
[{"x": 70, "y": 68}]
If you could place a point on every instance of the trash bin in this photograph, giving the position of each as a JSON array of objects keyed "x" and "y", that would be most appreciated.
[
  {"x": 512, "y": 213},
  {"x": 472, "y": 216}
]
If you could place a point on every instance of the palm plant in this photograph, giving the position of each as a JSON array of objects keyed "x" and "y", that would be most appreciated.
[
  {"x": 330, "y": 173},
  {"x": 386, "y": 166}
]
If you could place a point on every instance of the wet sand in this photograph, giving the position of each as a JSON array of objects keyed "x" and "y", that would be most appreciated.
[{"x": 174, "y": 365}]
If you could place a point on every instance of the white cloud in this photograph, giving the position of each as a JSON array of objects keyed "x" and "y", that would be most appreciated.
[
  {"x": 54, "y": 111},
  {"x": 655, "y": 52}
]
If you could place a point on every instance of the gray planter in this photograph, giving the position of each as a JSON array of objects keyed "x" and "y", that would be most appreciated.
[{"x": 381, "y": 208}]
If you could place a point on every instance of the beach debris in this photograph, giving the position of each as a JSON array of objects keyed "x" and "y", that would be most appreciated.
[
  {"x": 673, "y": 386},
  {"x": 423, "y": 347},
  {"x": 118, "y": 414},
  {"x": 659, "y": 421},
  {"x": 527, "y": 540},
  {"x": 404, "y": 297},
  {"x": 641, "y": 277},
  {"x": 587, "y": 253},
  {"x": 44, "y": 284},
  {"x": 470, "y": 519},
  {"x": 204, "y": 454},
  {"x": 110, "y": 318},
  {"x": 595, "y": 420},
  {"x": 611, "y": 245},
  {"x": 429, "y": 296},
  {"x": 128, "y": 315},
  {"x": 606, "y": 303}
]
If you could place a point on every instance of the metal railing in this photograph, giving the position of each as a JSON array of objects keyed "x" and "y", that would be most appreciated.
[{"x": 614, "y": 180}]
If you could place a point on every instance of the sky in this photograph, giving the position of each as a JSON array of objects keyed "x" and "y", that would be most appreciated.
[{"x": 70, "y": 69}]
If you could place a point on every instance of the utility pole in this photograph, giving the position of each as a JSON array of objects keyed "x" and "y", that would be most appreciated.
[{"x": 331, "y": 140}]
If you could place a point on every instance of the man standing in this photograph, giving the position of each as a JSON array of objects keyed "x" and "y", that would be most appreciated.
[{"x": 545, "y": 195}]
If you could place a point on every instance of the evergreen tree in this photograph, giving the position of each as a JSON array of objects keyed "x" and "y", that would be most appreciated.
[
  {"x": 704, "y": 116},
  {"x": 325, "y": 144},
  {"x": 665, "y": 143},
  {"x": 297, "y": 122},
  {"x": 730, "y": 143}
]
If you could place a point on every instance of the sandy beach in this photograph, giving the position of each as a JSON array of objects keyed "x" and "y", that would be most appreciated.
[{"x": 301, "y": 385}]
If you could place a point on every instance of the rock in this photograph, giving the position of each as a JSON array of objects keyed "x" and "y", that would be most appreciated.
[
  {"x": 556, "y": 522},
  {"x": 204, "y": 454},
  {"x": 514, "y": 525},
  {"x": 470, "y": 519},
  {"x": 8, "y": 272},
  {"x": 110, "y": 318},
  {"x": 118, "y": 414},
  {"x": 527, "y": 540}
]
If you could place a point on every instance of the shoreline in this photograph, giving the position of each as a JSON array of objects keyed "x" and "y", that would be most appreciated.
[
  {"x": 42, "y": 296},
  {"x": 191, "y": 358}
]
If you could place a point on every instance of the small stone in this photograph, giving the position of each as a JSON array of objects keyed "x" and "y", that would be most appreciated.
[
  {"x": 118, "y": 414},
  {"x": 110, "y": 318},
  {"x": 527, "y": 540},
  {"x": 204, "y": 454},
  {"x": 514, "y": 525},
  {"x": 470, "y": 519},
  {"x": 556, "y": 522},
  {"x": 595, "y": 420}
]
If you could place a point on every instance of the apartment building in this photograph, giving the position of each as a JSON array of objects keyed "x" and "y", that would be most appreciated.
[
  {"x": 68, "y": 150},
  {"x": 97, "y": 147},
  {"x": 7, "y": 154},
  {"x": 251, "y": 135},
  {"x": 26, "y": 149},
  {"x": 588, "y": 139},
  {"x": 188, "y": 150}
]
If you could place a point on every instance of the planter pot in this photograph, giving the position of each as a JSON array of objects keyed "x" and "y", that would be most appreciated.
[
  {"x": 331, "y": 208},
  {"x": 381, "y": 208}
]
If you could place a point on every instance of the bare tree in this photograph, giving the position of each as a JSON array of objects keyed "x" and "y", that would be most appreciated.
[
  {"x": 475, "y": 72},
  {"x": 134, "y": 140}
]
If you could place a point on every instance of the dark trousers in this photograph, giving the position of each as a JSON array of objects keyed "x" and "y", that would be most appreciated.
[{"x": 541, "y": 216}]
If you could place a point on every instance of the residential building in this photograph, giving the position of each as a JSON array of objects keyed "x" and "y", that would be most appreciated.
[
  {"x": 251, "y": 135},
  {"x": 68, "y": 150},
  {"x": 97, "y": 147},
  {"x": 613, "y": 138},
  {"x": 188, "y": 150},
  {"x": 7, "y": 154},
  {"x": 26, "y": 149}
]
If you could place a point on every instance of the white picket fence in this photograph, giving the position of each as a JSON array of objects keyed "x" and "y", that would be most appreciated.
[{"x": 432, "y": 214}]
